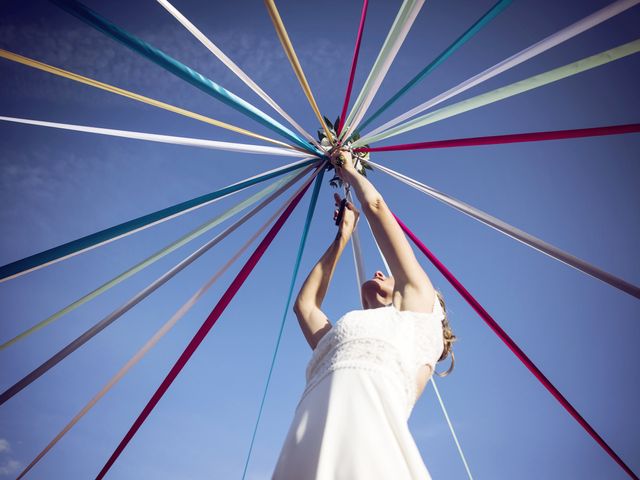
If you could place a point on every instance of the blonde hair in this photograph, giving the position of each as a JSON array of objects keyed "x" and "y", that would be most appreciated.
[{"x": 449, "y": 338}]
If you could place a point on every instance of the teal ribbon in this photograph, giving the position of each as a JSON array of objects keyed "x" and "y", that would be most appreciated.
[
  {"x": 303, "y": 240},
  {"x": 179, "y": 69},
  {"x": 466, "y": 36},
  {"x": 84, "y": 243}
]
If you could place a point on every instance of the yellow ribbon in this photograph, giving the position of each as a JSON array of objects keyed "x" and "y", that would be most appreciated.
[
  {"x": 125, "y": 93},
  {"x": 295, "y": 63}
]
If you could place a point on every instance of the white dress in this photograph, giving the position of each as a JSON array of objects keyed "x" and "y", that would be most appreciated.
[{"x": 351, "y": 422}]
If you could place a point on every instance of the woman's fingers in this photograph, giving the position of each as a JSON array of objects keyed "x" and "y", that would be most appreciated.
[
  {"x": 352, "y": 207},
  {"x": 337, "y": 198}
]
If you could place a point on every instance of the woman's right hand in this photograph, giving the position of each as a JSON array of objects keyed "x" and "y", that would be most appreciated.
[
  {"x": 350, "y": 217},
  {"x": 342, "y": 161}
]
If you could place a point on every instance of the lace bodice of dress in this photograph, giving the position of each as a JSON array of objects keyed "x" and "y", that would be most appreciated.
[{"x": 382, "y": 340}]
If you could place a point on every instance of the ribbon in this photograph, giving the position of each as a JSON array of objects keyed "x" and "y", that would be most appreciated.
[
  {"x": 451, "y": 429},
  {"x": 517, "y": 351},
  {"x": 492, "y": 13},
  {"x": 509, "y": 91},
  {"x": 295, "y": 63},
  {"x": 134, "y": 96},
  {"x": 296, "y": 267},
  {"x": 153, "y": 258},
  {"x": 205, "y": 328},
  {"x": 511, "y": 138},
  {"x": 179, "y": 69},
  {"x": 402, "y": 24},
  {"x": 232, "y": 66},
  {"x": 356, "y": 249},
  {"x": 354, "y": 64},
  {"x": 526, "y": 54},
  {"x": 152, "y": 137},
  {"x": 113, "y": 316},
  {"x": 517, "y": 234},
  {"x": 80, "y": 245},
  {"x": 161, "y": 332}
]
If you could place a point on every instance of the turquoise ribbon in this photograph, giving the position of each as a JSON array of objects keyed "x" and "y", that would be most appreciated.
[
  {"x": 84, "y": 243},
  {"x": 466, "y": 36},
  {"x": 303, "y": 240},
  {"x": 179, "y": 69}
]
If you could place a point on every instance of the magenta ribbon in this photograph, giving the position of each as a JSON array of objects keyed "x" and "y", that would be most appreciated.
[
  {"x": 514, "y": 348},
  {"x": 354, "y": 63},
  {"x": 512, "y": 138}
]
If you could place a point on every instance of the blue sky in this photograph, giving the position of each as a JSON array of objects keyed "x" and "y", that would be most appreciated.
[{"x": 580, "y": 195}]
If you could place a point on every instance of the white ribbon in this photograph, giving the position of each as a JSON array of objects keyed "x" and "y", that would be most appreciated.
[
  {"x": 358, "y": 259},
  {"x": 233, "y": 67},
  {"x": 152, "y": 137},
  {"x": 398, "y": 32},
  {"x": 517, "y": 234}
]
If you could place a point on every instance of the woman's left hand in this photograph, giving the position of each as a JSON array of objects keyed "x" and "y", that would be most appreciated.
[{"x": 350, "y": 217}]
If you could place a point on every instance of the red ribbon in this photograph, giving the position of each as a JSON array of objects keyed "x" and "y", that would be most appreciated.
[
  {"x": 203, "y": 331},
  {"x": 514, "y": 348},
  {"x": 354, "y": 63},
  {"x": 513, "y": 138}
]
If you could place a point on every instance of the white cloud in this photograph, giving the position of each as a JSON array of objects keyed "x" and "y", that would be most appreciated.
[{"x": 9, "y": 467}]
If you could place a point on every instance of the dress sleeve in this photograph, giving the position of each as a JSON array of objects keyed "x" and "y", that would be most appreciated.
[{"x": 429, "y": 336}]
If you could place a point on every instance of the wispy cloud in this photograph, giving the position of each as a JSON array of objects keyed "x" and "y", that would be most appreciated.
[
  {"x": 435, "y": 430},
  {"x": 89, "y": 53},
  {"x": 30, "y": 181},
  {"x": 36, "y": 180},
  {"x": 260, "y": 475},
  {"x": 8, "y": 465}
]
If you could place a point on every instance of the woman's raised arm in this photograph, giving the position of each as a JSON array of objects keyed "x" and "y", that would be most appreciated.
[
  {"x": 313, "y": 322},
  {"x": 411, "y": 282}
]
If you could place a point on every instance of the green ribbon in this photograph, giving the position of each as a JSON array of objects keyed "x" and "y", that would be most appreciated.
[{"x": 508, "y": 91}]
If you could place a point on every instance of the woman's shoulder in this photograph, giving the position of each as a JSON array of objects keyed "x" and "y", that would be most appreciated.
[{"x": 435, "y": 312}]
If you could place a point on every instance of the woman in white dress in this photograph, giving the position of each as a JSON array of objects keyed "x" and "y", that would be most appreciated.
[{"x": 367, "y": 370}]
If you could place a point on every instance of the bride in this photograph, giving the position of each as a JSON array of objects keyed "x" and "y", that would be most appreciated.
[{"x": 370, "y": 367}]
